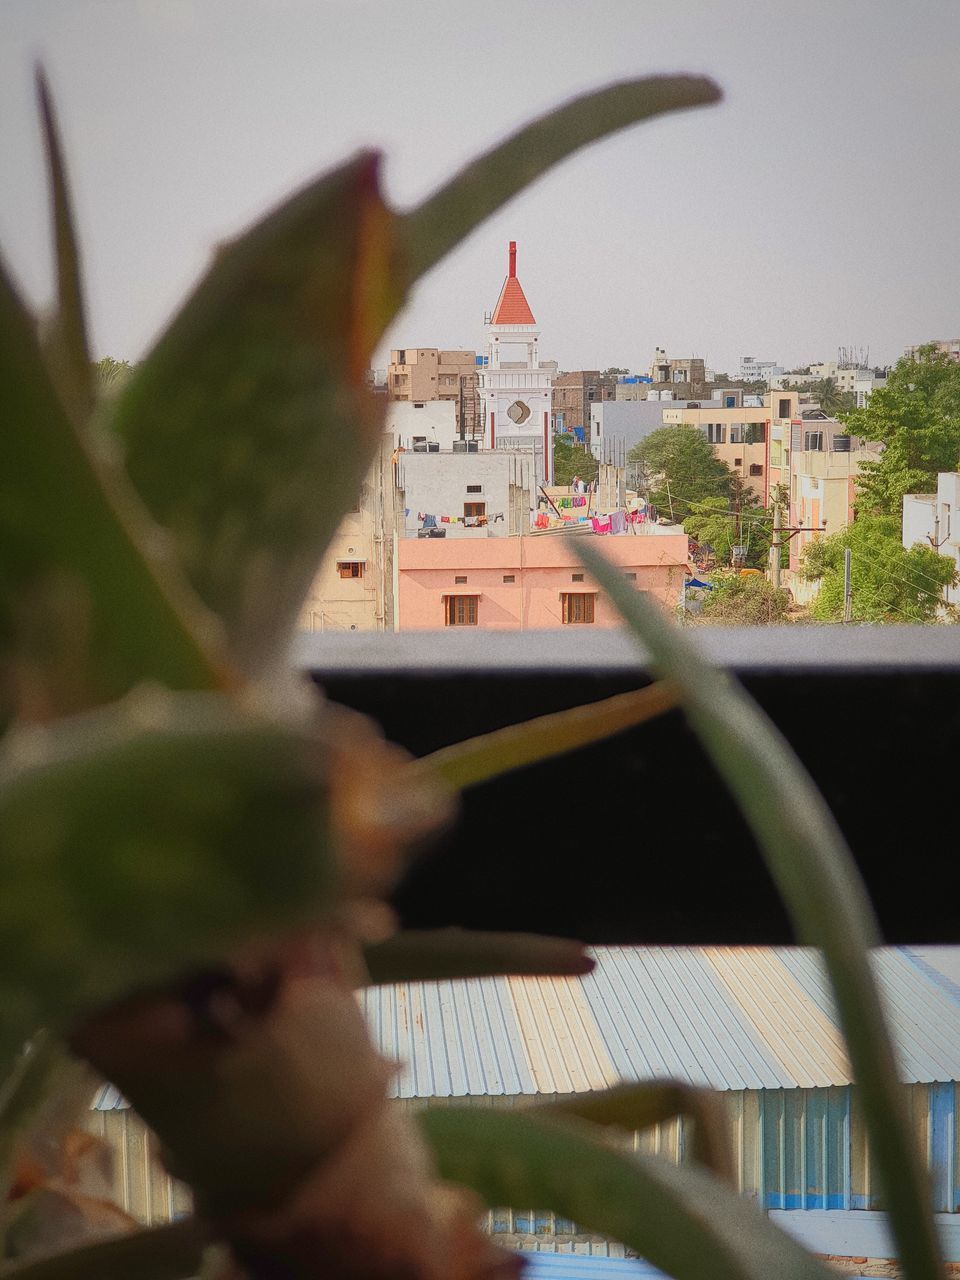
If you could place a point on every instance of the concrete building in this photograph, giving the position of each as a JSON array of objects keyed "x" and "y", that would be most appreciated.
[
  {"x": 686, "y": 371},
  {"x": 423, "y": 426},
  {"x": 944, "y": 346},
  {"x": 744, "y": 437},
  {"x": 515, "y": 385},
  {"x": 574, "y": 394},
  {"x": 754, "y": 370},
  {"x": 864, "y": 385},
  {"x": 531, "y": 583},
  {"x": 618, "y": 425},
  {"x": 354, "y": 588},
  {"x": 933, "y": 520},
  {"x": 488, "y": 494},
  {"x": 824, "y": 465},
  {"x": 418, "y": 374}
]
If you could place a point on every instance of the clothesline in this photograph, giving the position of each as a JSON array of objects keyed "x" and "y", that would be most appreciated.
[{"x": 430, "y": 520}]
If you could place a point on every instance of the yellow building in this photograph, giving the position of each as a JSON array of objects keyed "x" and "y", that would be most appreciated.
[
  {"x": 753, "y": 440},
  {"x": 419, "y": 374}
]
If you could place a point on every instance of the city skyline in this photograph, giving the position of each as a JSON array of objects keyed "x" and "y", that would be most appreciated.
[{"x": 812, "y": 209}]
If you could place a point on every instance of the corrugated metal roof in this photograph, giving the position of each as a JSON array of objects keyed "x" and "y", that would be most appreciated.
[
  {"x": 732, "y": 1018},
  {"x": 545, "y": 1265}
]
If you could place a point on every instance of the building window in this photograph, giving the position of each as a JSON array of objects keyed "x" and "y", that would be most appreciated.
[
  {"x": 460, "y": 611},
  {"x": 401, "y": 357},
  {"x": 474, "y": 509},
  {"x": 577, "y": 606},
  {"x": 756, "y": 433},
  {"x": 509, "y": 577},
  {"x": 474, "y": 488},
  {"x": 350, "y": 568},
  {"x": 756, "y": 469},
  {"x": 716, "y": 433},
  {"x": 576, "y": 577},
  {"x": 631, "y": 577},
  {"x": 459, "y": 582},
  {"x": 813, "y": 441},
  {"x": 784, "y": 409},
  {"x": 738, "y": 462}
]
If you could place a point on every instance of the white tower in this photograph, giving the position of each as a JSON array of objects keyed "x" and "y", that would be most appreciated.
[{"x": 515, "y": 392}]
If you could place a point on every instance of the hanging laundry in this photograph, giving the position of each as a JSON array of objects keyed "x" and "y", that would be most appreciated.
[
  {"x": 579, "y": 501},
  {"x": 429, "y": 522},
  {"x": 618, "y": 522},
  {"x": 542, "y": 521},
  {"x": 600, "y": 526},
  {"x": 444, "y": 519}
]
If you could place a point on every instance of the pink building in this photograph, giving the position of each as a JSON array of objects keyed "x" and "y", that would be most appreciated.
[{"x": 527, "y": 583}]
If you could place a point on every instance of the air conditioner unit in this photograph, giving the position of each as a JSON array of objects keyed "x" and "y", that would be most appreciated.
[
  {"x": 460, "y": 446},
  {"x": 433, "y": 447},
  {"x": 473, "y": 446}
]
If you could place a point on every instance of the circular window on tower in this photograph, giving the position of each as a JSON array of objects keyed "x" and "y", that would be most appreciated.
[{"x": 518, "y": 412}]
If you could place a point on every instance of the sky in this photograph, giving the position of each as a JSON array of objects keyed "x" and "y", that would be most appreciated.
[{"x": 815, "y": 207}]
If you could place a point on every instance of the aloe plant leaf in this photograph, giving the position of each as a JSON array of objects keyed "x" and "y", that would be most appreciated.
[
  {"x": 681, "y": 1220},
  {"x": 818, "y": 879},
  {"x": 475, "y": 760},
  {"x": 85, "y": 614},
  {"x": 416, "y": 955},
  {"x": 147, "y": 840},
  {"x": 633, "y": 1107},
  {"x": 248, "y": 428},
  {"x": 435, "y": 227},
  {"x": 170, "y": 1252},
  {"x": 68, "y": 350}
]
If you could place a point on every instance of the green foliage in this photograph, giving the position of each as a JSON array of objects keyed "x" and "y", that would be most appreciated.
[
  {"x": 889, "y": 583},
  {"x": 745, "y": 602},
  {"x": 615, "y": 372},
  {"x": 570, "y": 459},
  {"x": 916, "y": 417},
  {"x": 818, "y": 879},
  {"x": 828, "y": 395},
  {"x": 723, "y": 524},
  {"x": 109, "y": 375},
  {"x": 679, "y": 468},
  {"x": 681, "y": 1220}
]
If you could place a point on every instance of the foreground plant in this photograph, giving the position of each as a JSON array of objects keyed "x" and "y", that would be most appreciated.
[{"x": 196, "y": 849}]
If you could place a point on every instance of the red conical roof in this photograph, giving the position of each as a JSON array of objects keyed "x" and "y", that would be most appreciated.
[{"x": 512, "y": 307}]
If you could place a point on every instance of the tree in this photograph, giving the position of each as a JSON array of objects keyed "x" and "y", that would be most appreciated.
[
  {"x": 677, "y": 468},
  {"x": 888, "y": 582},
  {"x": 570, "y": 458},
  {"x": 829, "y": 396},
  {"x": 749, "y": 601},
  {"x": 723, "y": 527},
  {"x": 916, "y": 417},
  {"x": 615, "y": 371}
]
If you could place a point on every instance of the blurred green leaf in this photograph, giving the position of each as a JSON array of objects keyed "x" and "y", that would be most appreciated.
[
  {"x": 147, "y": 840},
  {"x": 417, "y": 955},
  {"x": 84, "y": 614},
  {"x": 681, "y": 1220},
  {"x": 633, "y": 1107},
  {"x": 68, "y": 353},
  {"x": 445, "y": 218},
  {"x": 248, "y": 429},
  {"x": 475, "y": 760},
  {"x": 819, "y": 882}
]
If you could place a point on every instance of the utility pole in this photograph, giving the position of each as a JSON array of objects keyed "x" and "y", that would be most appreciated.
[
  {"x": 775, "y": 547},
  {"x": 847, "y": 589}
]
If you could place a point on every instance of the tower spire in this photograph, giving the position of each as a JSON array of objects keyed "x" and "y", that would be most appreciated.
[{"x": 512, "y": 273}]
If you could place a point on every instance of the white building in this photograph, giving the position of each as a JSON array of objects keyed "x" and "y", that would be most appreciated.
[
  {"x": 617, "y": 425},
  {"x": 458, "y": 494},
  {"x": 515, "y": 387},
  {"x": 427, "y": 426},
  {"x": 933, "y": 520},
  {"x": 754, "y": 370},
  {"x": 864, "y": 385}
]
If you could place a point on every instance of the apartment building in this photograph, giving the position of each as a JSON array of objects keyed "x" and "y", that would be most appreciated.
[{"x": 421, "y": 374}]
